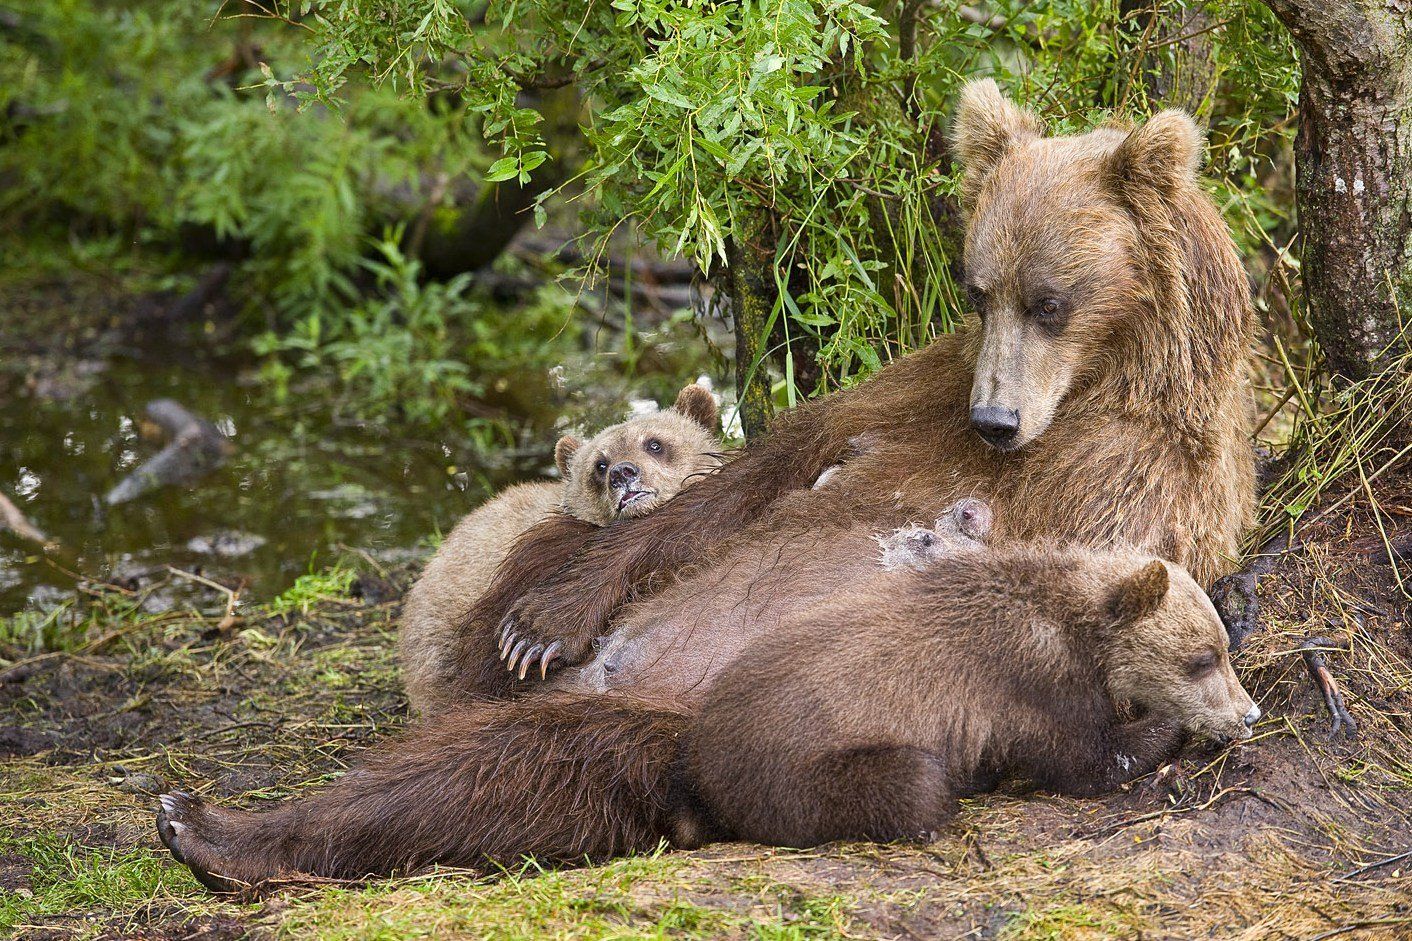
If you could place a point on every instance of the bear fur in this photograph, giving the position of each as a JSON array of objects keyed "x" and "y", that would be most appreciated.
[
  {"x": 644, "y": 659},
  {"x": 864, "y": 717},
  {"x": 870, "y": 715},
  {"x": 1115, "y": 323},
  {"x": 1113, "y": 329},
  {"x": 684, "y": 441}
]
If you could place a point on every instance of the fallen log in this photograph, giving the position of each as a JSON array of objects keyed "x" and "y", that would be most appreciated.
[
  {"x": 195, "y": 449},
  {"x": 12, "y": 519}
]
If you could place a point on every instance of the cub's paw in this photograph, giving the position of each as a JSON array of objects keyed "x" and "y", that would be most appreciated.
[{"x": 195, "y": 833}]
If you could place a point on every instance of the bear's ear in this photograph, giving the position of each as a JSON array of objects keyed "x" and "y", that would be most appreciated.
[
  {"x": 987, "y": 126},
  {"x": 696, "y": 403},
  {"x": 564, "y": 452},
  {"x": 1156, "y": 158},
  {"x": 1140, "y": 594}
]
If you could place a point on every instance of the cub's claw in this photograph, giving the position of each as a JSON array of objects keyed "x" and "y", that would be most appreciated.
[
  {"x": 550, "y": 653},
  {"x": 506, "y": 644}
]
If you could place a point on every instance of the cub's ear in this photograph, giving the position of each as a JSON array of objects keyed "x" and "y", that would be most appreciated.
[
  {"x": 1156, "y": 158},
  {"x": 696, "y": 403},
  {"x": 564, "y": 452},
  {"x": 987, "y": 126},
  {"x": 1140, "y": 594}
]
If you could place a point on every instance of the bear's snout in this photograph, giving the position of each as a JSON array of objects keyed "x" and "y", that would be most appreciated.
[{"x": 997, "y": 425}]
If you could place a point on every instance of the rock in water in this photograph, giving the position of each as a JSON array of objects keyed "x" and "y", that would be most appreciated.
[
  {"x": 196, "y": 448},
  {"x": 226, "y": 542}
]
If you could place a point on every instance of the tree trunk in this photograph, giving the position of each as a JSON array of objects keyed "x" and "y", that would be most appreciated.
[
  {"x": 1353, "y": 175},
  {"x": 752, "y": 297},
  {"x": 1174, "y": 66}
]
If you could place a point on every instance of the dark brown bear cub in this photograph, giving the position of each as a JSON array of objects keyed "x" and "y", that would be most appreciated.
[
  {"x": 868, "y": 717},
  {"x": 864, "y": 717}
]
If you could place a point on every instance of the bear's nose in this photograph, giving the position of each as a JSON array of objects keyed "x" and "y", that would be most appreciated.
[
  {"x": 1252, "y": 717},
  {"x": 622, "y": 474},
  {"x": 996, "y": 425}
]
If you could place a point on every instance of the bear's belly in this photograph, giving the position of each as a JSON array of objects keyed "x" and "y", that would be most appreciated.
[{"x": 673, "y": 644}]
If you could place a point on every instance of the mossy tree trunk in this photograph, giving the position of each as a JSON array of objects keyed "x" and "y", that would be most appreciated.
[
  {"x": 1354, "y": 175},
  {"x": 751, "y": 283}
]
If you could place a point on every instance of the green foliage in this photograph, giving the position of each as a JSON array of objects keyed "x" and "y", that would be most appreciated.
[
  {"x": 809, "y": 124},
  {"x": 806, "y": 131}
]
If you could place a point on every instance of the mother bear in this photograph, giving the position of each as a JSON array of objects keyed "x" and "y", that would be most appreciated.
[{"x": 1101, "y": 399}]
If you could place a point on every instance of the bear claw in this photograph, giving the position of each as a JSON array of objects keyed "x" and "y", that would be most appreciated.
[
  {"x": 550, "y": 653},
  {"x": 529, "y": 659}
]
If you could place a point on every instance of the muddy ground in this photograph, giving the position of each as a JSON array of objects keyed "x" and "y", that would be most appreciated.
[{"x": 1291, "y": 835}]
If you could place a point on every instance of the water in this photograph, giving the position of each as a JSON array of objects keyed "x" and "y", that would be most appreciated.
[{"x": 300, "y": 488}]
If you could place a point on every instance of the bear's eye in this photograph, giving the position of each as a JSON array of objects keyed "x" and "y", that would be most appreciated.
[
  {"x": 653, "y": 445},
  {"x": 1051, "y": 314},
  {"x": 1202, "y": 663},
  {"x": 975, "y": 298},
  {"x": 601, "y": 467},
  {"x": 1049, "y": 307}
]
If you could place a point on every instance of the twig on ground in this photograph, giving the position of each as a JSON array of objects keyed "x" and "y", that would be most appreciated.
[
  {"x": 1360, "y": 925},
  {"x": 1333, "y": 696},
  {"x": 1363, "y": 870}
]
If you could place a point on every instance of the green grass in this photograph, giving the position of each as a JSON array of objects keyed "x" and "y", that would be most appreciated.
[
  {"x": 311, "y": 589},
  {"x": 66, "y": 879},
  {"x": 645, "y": 897},
  {"x": 1068, "y": 921}
]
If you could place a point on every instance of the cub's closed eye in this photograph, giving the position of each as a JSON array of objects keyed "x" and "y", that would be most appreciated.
[
  {"x": 975, "y": 297},
  {"x": 1203, "y": 663}
]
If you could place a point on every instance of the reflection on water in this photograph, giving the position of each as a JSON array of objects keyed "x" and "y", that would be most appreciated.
[{"x": 298, "y": 487}]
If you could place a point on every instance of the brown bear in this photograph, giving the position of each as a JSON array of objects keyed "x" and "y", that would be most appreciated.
[
  {"x": 1099, "y": 397},
  {"x": 624, "y": 471},
  {"x": 677, "y": 661},
  {"x": 1114, "y": 323},
  {"x": 865, "y": 719},
  {"x": 862, "y": 717}
]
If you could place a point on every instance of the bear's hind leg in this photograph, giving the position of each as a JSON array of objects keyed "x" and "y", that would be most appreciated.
[{"x": 873, "y": 792}]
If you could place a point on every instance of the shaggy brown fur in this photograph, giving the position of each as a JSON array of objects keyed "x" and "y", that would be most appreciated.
[
  {"x": 562, "y": 779},
  {"x": 625, "y": 471},
  {"x": 1133, "y": 431},
  {"x": 677, "y": 659},
  {"x": 871, "y": 714},
  {"x": 862, "y": 717},
  {"x": 1115, "y": 324}
]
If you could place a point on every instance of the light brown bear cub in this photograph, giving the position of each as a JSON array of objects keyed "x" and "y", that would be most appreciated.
[
  {"x": 626, "y": 470},
  {"x": 868, "y": 717}
]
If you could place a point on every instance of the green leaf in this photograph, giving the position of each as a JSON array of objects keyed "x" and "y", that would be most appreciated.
[{"x": 502, "y": 169}]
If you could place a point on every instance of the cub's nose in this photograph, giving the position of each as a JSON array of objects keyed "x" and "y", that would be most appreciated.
[
  {"x": 622, "y": 474},
  {"x": 1252, "y": 717},
  {"x": 996, "y": 425}
]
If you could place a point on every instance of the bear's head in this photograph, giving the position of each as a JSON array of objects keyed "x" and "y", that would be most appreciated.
[
  {"x": 1059, "y": 252},
  {"x": 630, "y": 469},
  {"x": 1165, "y": 652},
  {"x": 963, "y": 525}
]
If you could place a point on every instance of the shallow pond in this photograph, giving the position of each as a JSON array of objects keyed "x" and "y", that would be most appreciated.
[{"x": 299, "y": 489}]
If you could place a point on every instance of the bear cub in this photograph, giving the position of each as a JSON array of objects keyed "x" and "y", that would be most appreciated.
[
  {"x": 626, "y": 470},
  {"x": 866, "y": 718}
]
